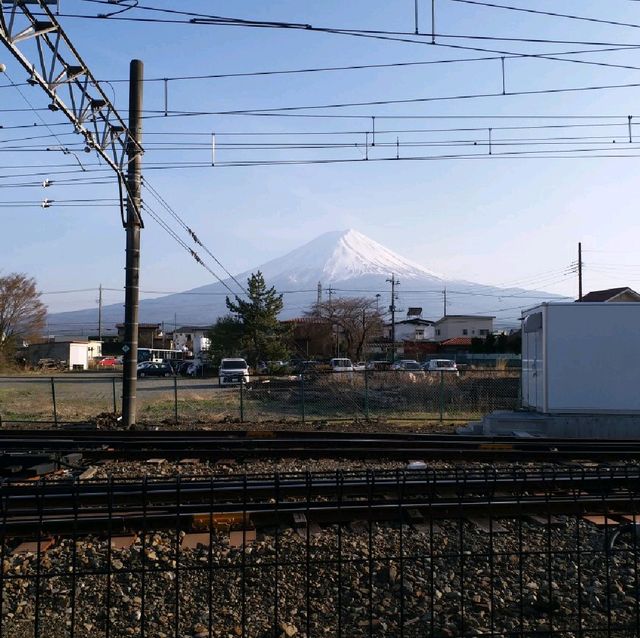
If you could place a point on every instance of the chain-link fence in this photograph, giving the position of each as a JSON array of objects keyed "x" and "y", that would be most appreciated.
[
  {"x": 367, "y": 395},
  {"x": 383, "y": 395}
]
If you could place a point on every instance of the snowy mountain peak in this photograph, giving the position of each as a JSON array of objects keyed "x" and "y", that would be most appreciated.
[
  {"x": 348, "y": 261},
  {"x": 342, "y": 255}
]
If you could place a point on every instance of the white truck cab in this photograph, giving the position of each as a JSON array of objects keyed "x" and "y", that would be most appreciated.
[{"x": 233, "y": 372}]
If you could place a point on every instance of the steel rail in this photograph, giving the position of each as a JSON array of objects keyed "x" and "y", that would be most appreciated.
[
  {"x": 188, "y": 516},
  {"x": 21, "y": 496},
  {"x": 177, "y": 444}
]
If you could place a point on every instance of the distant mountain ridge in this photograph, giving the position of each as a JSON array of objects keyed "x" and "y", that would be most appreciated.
[{"x": 348, "y": 262}]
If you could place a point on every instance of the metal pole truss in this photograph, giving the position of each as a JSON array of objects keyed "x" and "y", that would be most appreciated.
[{"x": 59, "y": 70}]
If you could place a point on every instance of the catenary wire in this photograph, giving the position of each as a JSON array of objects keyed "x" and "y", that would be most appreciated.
[
  {"x": 158, "y": 219},
  {"x": 146, "y": 184}
]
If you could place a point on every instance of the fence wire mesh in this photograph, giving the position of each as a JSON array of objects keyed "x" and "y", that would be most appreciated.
[
  {"x": 315, "y": 396},
  {"x": 381, "y": 395},
  {"x": 399, "y": 567}
]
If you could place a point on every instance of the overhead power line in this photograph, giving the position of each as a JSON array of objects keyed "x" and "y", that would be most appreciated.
[
  {"x": 165, "y": 226},
  {"x": 417, "y": 100},
  {"x": 194, "y": 18},
  {"x": 499, "y": 55},
  {"x": 552, "y": 14},
  {"x": 190, "y": 232},
  {"x": 199, "y": 293}
]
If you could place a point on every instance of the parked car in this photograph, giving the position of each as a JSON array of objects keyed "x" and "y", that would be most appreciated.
[
  {"x": 155, "y": 370},
  {"x": 271, "y": 367},
  {"x": 341, "y": 365},
  {"x": 183, "y": 366},
  {"x": 50, "y": 364},
  {"x": 441, "y": 365},
  {"x": 174, "y": 363},
  {"x": 307, "y": 369},
  {"x": 361, "y": 366},
  {"x": 407, "y": 365},
  {"x": 107, "y": 362},
  {"x": 306, "y": 366},
  {"x": 379, "y": 365},
  {"x": 233, "y": 371}
]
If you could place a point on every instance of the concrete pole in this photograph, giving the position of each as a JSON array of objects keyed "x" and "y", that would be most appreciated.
[{"x": 132, "y": 268}]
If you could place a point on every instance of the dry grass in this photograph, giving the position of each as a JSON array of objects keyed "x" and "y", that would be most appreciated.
[{"x": 384, "y": 397}]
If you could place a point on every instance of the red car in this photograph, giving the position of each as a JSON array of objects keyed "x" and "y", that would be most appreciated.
[{"x": 107, "y": 362}]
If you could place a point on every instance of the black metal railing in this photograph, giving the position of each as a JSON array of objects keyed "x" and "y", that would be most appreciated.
[{"x": 531, "y": 556}]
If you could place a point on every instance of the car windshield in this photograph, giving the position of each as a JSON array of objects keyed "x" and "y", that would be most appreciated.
[
  {"x": 235, "y": 364},
  {"x": 342, "y": 363},
  {"x": 445, "y": 364},
  {"x": 411, "y": 366}
]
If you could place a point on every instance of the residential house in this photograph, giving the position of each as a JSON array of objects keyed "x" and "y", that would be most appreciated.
[
  {"x": 452, "y": 326},
  {"x": 150, "y": 335},
  {"x": 414, "y": 329},
  {"x": 611, "y": 295},
  {"x": 192, "y": 339}
]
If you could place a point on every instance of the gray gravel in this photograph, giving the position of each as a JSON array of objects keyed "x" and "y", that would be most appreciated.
[
  {"x": 359, "y": 579},
  {"x": 419, "y": 586}
]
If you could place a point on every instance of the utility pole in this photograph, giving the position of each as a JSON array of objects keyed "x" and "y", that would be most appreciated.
[
  {"x": 579, "y": 271},
  {"x": 100, "y": 313},
  {"x": 319, "y": 297},
  {"x": 392, "y": 308},
  {"x": 132, "y": 267},
  {"x": 444, "y": 293}
]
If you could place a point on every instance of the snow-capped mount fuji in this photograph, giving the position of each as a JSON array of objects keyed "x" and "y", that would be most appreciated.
[
  {"x": 340, "y": 256},
  {"x": 348, "y": 262}
]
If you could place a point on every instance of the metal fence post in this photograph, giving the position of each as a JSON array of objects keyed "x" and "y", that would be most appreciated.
[
  {"x": 53, "y": 397},
  {"x": 242, "y": 401},
  {"x": 175, "y": 399},
  {"x": 113, "y": 391},
  {"x": 366, "y": 394},
  {"x": 441, "y": 395},
  {"x": 302, "y": 406},
  {"x": 519, "y": 399}
]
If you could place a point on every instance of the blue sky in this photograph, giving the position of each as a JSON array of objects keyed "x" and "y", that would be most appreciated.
[{"x": 498, "y": 220}]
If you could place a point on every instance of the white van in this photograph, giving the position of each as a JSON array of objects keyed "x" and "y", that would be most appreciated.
[
  {"x": 441, "y": 365},
  {"x": 233, "y": 371},
  {"x": 341, "y": 365}
]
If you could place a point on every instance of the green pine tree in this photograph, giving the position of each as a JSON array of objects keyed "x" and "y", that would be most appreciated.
[
  {"x": 226, "y": 338},
  {"x": 263, "y": 335}
]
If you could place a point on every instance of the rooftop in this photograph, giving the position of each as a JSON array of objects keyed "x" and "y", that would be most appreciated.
[
  {"x": 446, "y": 317},
  {"x": 457, "y": 341},
  {"x": 608, "y": 294},
  {"x": 192, "y": 329}
]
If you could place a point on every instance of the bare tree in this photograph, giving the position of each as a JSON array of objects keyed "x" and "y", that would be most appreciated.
[
  {"x": 356, "y": 320},
  {"x": 22, "y": 314}
]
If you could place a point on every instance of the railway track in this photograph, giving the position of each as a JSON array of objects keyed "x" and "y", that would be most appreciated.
[
  {"x": 127, "y": 505},
  {"x": 171, "y": 444}
]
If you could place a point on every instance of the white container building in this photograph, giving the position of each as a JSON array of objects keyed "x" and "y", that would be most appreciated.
[{"x": 581, "y": 358}]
